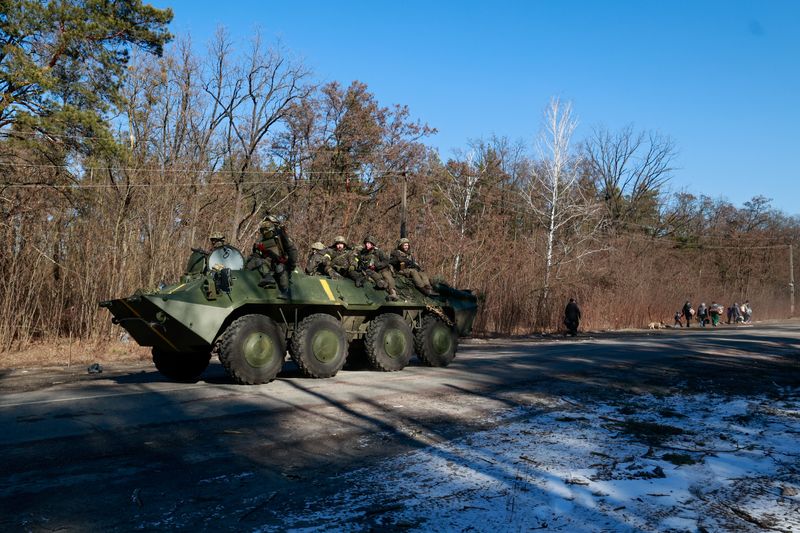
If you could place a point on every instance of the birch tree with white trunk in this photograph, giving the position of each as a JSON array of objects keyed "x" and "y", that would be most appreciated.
[{"x": 559, "y": 204}]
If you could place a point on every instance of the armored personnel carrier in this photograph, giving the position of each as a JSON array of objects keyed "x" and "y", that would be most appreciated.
[{"x": 219, "y": 309}]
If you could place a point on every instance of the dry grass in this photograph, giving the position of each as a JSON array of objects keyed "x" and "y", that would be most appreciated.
[{"x": 66, "y": 354}]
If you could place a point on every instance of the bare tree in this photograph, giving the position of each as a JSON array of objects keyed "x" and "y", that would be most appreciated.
[
  {"x": 629, "y": 169},
  {"x": 554, "y": 196},
  {"x": 459, "y": 189},
  {"x": 251, "y": 98}
]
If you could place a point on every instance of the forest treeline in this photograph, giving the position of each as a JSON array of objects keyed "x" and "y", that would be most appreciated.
[{"x": 119, "y": 153}]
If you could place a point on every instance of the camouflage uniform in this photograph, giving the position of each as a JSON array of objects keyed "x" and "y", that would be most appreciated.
[
  {"x": 403, "y": 262},
  {"x": 374, "y": 263},
  {"x": 197, "y": 260},
  {"x": 274, "y": 255},
  {"x": 196, "y": 264},
  {"x": 319, "y": 261},
  {"x": 344, "y": 261}
]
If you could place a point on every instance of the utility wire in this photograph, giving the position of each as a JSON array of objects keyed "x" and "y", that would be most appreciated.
[
  {"x": 187, "y": 170},
  {"x": 123, "y": 185}
]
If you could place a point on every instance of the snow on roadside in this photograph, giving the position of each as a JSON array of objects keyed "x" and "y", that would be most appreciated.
[{"x": 677, "y": 463}]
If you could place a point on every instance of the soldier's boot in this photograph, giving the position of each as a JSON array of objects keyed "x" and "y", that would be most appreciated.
[
  {"x": 392, "y": 295},
  {"x": 283, "y": 286},
  {"x": 358, "y": 279}
]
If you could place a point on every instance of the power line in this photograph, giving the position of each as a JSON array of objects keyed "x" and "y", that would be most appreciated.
[
  {"x": 192, "y": 170},
  {"x": 154, "y": 185}
]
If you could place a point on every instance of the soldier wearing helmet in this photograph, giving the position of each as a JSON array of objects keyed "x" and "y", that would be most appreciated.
[
  {"x": 319, "y": 261},
  {"x": 274, "y": 255},
  {"x": 217, "y": 240},
  {"x": 404, "y": 263},
  {"x": 374, "y": 264},
  {"x": 344, "y": 261},
  {"x": 198, "y": 259}
]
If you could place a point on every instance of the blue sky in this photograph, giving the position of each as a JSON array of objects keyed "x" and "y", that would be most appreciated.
[{"x": 722, "y": 78}]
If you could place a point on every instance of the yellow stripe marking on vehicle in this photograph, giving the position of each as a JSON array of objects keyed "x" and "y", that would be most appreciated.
[
  {"x": 154, "y": 330},
  {"x": 328, "y": 291},
  {"x": 176, "y": 288}
]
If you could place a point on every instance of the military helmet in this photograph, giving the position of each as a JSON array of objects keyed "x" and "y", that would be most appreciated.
[
  {"x": 403, "y": 241},
  {"x": 370, "y": 238},
  {"x": 340, "y": 239},
  {"x": 269, "y": 222},
  {"x": 216, "y": 236},
  {"x": 317, "y": 246}
]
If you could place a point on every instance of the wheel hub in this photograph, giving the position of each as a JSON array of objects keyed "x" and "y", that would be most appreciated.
[
  {"x": 394, "y": 343},
  {"x": 258, "y": 350},
  {"x": 441, "y": 340},
  {"x": 325, "y": 346}
]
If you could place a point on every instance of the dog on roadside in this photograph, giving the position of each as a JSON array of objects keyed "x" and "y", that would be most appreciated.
[{"x": 656, "y": 325}]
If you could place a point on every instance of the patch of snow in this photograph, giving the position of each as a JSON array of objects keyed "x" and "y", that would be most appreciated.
[{"x": 678, "y": 463}]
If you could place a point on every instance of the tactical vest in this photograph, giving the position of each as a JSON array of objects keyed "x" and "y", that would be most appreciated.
[
  {"x": 402, "y": 260},
  {"x": 315, "y": 262},
  {"x": 343, "y": 259},
  {"x": 374, "y": 257}
]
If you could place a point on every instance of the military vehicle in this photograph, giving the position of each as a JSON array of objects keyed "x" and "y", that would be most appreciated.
[{"x": 220, "y": 309}]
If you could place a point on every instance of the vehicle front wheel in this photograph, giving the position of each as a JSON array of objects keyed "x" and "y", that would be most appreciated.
[
  {"x": 389, "y": 343},
  {"x": 319, "y": 346},
  {"x": 252, "y": 349},
  {"x": 181, "y": 366},
  {"x": 435, "y": 342}
]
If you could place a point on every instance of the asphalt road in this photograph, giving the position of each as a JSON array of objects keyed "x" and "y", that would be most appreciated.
[{"x": 128, "y": 450}]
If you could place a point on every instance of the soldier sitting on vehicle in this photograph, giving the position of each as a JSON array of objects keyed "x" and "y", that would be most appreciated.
[
  {"x": 319, "y": 261},
  {"x": 403, "y": 262},
  {"x": 274, "y": 256},
  {"x": 344, "y": 261},
  {"x": 198, "y": 259},
  {"x": 374, "y": 264}
]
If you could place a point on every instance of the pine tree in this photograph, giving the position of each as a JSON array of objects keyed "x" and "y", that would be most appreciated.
[{"x": 62, "y": 62}]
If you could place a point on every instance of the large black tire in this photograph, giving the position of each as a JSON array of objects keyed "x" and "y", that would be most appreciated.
[
  {"x": 252, "y": 349},
  {"x": 179, "y": 366},
  {"x": 435, "y": 342},
  {"x": 389, "y": 343},
  {"x": 319, "y": 346}
]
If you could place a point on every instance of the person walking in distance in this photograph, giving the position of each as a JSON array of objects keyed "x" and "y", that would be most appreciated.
[
  {"x": 572, "y": 317},
  {"x": 688, "y": 313}
]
